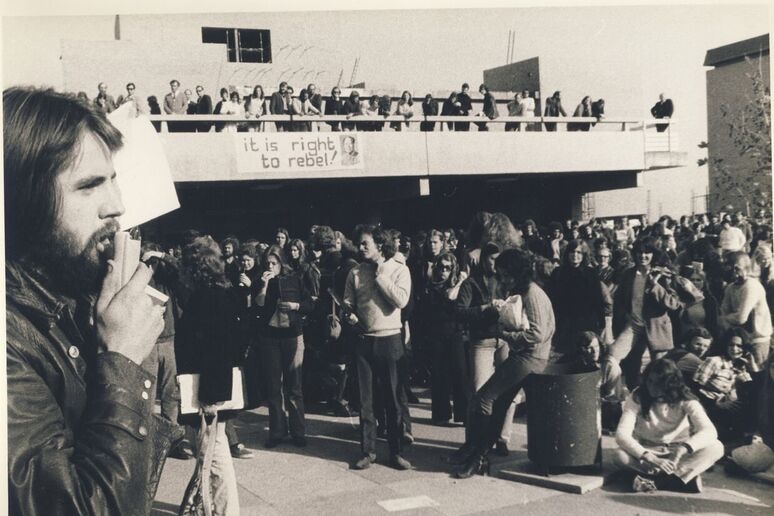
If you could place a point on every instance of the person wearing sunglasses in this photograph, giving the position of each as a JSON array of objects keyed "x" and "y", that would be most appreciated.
[{"x": 335, "y": 105}]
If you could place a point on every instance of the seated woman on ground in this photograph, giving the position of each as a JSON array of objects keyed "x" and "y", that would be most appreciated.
[
  {"x": 726, "y": 387},
  {"x": 664, "y": 435}
]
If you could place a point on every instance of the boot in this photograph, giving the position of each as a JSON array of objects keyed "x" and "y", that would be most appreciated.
[{"x": 477, "y": 465}]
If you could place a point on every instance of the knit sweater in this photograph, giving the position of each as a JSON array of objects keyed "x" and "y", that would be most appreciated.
[
  {"x": 377, "y": 294},
  {"x": 536, "y": 339},
  {"x": 683, "y": 422},
  {"x": 745, "y": 305}
]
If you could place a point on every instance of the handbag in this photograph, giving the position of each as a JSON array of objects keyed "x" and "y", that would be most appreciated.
[
  {"x": 189, "y": 392},
  {"x": 197, "y": 499}
]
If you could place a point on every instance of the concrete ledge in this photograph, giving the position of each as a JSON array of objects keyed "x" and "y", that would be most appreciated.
[{"x": 526, "y": 472}]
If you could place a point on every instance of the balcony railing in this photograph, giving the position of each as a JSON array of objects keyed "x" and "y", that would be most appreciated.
[{"x": 654, "y": 141}]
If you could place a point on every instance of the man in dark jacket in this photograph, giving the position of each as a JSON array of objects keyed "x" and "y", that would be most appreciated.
[
  {"x": 662, "y": 109},
  {"x": 203, "y": 107},
  {"x": 83, "y": 437},
  {"x": 280, "y": 105}
]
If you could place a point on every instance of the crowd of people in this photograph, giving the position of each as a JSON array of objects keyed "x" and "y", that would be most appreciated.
[
  {"x": 310, "y": 102},
  {"x": 354, "y": 324}
]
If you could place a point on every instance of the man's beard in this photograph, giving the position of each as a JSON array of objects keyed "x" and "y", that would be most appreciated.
[{"x": 77, "y": 273}]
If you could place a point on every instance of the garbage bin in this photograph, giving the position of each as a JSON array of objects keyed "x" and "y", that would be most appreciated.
[{"x": 564, "y": 426}]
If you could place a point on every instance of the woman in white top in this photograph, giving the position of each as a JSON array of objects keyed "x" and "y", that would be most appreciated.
[
  {"x": 664, "y": 434},
  {"x": 232, "y": 107},
  {"x": 255, "y": 107},
  {"x": 405, "y": 109}
]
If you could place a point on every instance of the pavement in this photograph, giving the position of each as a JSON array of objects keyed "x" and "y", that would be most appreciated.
[{"x": 317, "y": 480}]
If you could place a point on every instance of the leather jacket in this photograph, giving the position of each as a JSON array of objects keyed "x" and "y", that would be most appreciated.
[{"x": 82, "y": 437}]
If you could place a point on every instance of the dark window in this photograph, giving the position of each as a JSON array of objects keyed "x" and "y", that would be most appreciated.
[{"x": 242, "y": 45}]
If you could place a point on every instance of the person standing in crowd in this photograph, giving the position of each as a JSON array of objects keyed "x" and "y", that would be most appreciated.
[
  {"x": 189, "y": 110},
  {"x": 450, "y": 365},
  {"x": 255, "y": 107},
  {"x": 84, "y": 436},
  {"x": 744, "y": 304},
  {"x": 104, "y": 102},
  {"x": 306, "y": 109},
  {"x": 478, "y": 302},
  {"x": 282, "y": 301},
  {"x": 731, "y": 239},
  {"x": 554, "y": 109},
  {"x": 465, "y": 107},
  {"x": 516, "y": 107},
  {"x": 229, "y": 247},
  {"x": 220, "y": 109},
  {"x": 598, "y": 110},
  {"x": 280, "y": 105},
  {"x": 664, "y": 435},
  {"x": 208, "y": 343},
  {"x": 555, "y": 244},
  {"x": 161, "y": 362},
  {"x": 351, "y": 109},
  {"x": 429, "y": 108},
  {"x": 529, "y": 109},
  {"x": 175, "y": 103},
  {"x": 405, "y": 108},
  {"x": 302, "y": 264},
  {"x": 530, "y": 347},
  {"x": 581, "y": 302},
  {"x": 314, "y": 97},
  {"x": 583, "y": 110},
  {"x": 699, "y": 308},
  {"x": 664, "y": 108},
  {"x": 489, "y": 109},
  {"x": 376, "y": 291},
  {"x": 641, "y": 309},
  {"x": 131, "y": 96},
  {"x": 451, "y": 107},
  {"x": 335, "y": 106},
  {"x": 233, "y": 107},
  {"x": 203, "y": 107}
]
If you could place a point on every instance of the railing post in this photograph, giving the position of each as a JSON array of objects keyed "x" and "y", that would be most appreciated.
[{"x": 669, "y": 137}]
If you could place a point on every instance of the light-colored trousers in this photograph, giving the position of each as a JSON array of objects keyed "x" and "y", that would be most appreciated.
[{"x": 486, "y": 355}]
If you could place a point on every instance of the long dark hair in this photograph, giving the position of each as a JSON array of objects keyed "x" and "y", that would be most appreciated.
[
  {"x": 42, "y": 135},
  {"x": 454, "y": 276},
  {"x": 203, "y": 264},
  {"x": 516, "y": 264},
  {"x": 670, "y": 378}
]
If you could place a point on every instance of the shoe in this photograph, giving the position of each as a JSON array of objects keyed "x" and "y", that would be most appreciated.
[
  {"x": 501, "y": 449},
  {"x": 442, "y": 422},
  {"x": 695, "y": 485},
  {"x": 182, "y": 451},
  {"x": 399, "y": 463},
  {"x": 643, "y": 484},
  {"x": 365, "y": 461},
  {"x": 238, "y": 451},
  {"x": 407, "y": 439},
  {"x": 476, "y": 465},
  {"x": 299, "y": 441},
  {"x": 461, "y": 456},
  {"x": 412, "y": 398},
  {"x": 272, "y": 443},
  {"x": 340, "y": 409}
]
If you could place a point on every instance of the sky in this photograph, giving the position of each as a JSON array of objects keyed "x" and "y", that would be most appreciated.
[{"x": 644, "y": 50}]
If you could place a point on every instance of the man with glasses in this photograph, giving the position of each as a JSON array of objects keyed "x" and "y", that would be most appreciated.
[
  {"x": 203, "y": 107},
  {"x": 132, "y": 97},
  {"x": 335, "y": 106},
  {"x": 605, "y": 270}
]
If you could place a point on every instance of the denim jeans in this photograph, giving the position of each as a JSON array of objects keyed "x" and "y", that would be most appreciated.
[
  {"x": 223, "y": 482},
  {"x": 492, "y": 402},
  {"x": 282, "y": 362},
  {"x": 629, "y": 348},
  {"x": 486, "y": 356},
  {"x": 377, "y": 374}
]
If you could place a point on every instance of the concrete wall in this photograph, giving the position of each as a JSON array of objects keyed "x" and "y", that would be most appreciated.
[
  {"x": 210, "y": 156},
  {"x": 728, "y": 84},
  {"x": 515, "y": 76}
]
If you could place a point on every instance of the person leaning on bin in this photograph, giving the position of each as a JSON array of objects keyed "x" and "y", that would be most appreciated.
[{"x": 81, "y": 431}]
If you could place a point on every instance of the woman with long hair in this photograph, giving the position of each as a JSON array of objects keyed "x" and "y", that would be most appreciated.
[
  {"x": 451, "y": 107},
  {"x": 405, "y": 108},
  {"x": 281, "y": 238},
  {"x": 664, "y": 435},
  {"x": 281, "y": 302},
  {"x": 581, "y": 301},
  {"x": 529, "y": 349},
  {"x": 220, "y": 109},
  {"x": 207, "y": 342},
  {"x": 449, "y": 372},
  {"x": 300, "y": 263},
  {"x": 255, "y": 107}
]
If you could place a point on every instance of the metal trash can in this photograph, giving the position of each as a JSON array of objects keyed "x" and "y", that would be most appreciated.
[{"x": 564, "y": 424}]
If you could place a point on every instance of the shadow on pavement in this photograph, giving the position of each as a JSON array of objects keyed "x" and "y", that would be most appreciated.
[{"x": 687, "y": 504}]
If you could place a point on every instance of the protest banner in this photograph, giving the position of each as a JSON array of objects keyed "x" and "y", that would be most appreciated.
[{"x": 297, "y": 152}]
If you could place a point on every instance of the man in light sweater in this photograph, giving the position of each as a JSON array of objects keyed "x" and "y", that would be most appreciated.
[
  {"x": 744, "y": 304},
  {"x": 731, "y": 238},
  {"x": 376, "y": 291}
]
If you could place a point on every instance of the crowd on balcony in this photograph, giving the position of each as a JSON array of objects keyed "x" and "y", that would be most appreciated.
[{"x": 309, "y": 102}]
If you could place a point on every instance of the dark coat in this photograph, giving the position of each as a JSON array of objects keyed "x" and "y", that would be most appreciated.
[
  {"x": 335, "y": 107},
  {"x": 659, "y": 300},
  {"x": 81, "y": 438},
  {"x": 291, "y": 288},
  {"x": 473, "y": 308}
]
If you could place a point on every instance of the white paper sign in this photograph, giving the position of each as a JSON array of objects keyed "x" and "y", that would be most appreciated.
[
  {"x": 297, "y": 152},
  {"x": 142, "y": 170}
]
